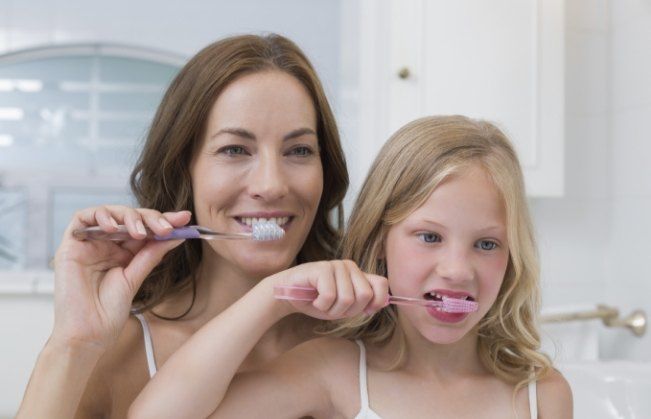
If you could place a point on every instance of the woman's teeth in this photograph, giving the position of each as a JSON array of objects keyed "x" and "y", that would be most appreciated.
[{"x": 280, "y": 221}]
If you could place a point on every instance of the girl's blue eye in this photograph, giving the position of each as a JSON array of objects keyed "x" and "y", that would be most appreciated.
[
  {"x": 429, "y": 237},
  {"x": 301, "y": 151},
  {"x": 487, "y": 245}
]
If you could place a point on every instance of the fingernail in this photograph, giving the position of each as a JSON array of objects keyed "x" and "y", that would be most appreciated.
[
  {"x": 140, "y": 227},
  {"x": 164, "y": 223}
]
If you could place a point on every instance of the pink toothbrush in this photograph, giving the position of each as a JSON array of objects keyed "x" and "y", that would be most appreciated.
[{"x": 450, "y": 305}]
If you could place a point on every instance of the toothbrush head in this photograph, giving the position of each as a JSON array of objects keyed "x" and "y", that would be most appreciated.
[
  {"x": 266, "y": 231},
  {"x": 455, "y": 305}
]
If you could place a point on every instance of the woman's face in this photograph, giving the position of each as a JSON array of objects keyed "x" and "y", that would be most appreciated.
[
  {"x": 259, "y": 160},
  {"x": 454, "y": 245}
]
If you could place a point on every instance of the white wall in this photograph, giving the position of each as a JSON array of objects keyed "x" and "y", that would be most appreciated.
[{"x": 592, "y": 241}]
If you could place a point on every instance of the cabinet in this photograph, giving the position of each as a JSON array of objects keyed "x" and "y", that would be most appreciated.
[{"x": 501, "y": 60}]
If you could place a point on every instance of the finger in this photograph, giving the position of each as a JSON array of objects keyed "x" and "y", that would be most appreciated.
[
  {"x": 324, "y": 281},
  {"x": 380, "y": 287},
  {"x": 145, "y": 261},
  {"x": 345, "y": 291},
  {"x": 363, "y": 291},
  {"x": 135, "y": 224},
  {"x": 178, "y": 218}
]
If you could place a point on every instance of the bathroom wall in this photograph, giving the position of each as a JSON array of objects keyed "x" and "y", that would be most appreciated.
[{"x": 592, "y": 239}]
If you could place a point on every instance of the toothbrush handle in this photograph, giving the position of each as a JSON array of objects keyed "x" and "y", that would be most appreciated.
[
  {"x": 295, "y": 293},
  {"x": 96, "y": 233}
]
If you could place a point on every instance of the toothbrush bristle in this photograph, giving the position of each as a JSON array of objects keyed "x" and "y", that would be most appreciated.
[
  {"x": 454, "y": 305},
  {"x": 266, "y": 231}
]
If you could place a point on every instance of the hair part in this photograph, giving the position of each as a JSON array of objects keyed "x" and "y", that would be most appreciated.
[
  {"x": 413, "y": 162},
  {"x": 161, "y": 178}
]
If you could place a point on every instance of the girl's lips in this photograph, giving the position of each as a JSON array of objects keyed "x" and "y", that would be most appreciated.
[{"x": 444, "y": 316}]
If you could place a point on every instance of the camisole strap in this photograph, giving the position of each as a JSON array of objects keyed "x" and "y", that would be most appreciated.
[
  {"x": 149, "y": 347},
  {"x": 533, "y": 400},
  {"x": 363, "y": 390}
]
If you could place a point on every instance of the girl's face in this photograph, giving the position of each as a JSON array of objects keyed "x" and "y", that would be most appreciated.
[
  {"x": 454, "y": 245},
  {"x": 259, "y": 159}
]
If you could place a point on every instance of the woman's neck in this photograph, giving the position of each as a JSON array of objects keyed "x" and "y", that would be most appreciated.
[{"x": 218, "y": 286}]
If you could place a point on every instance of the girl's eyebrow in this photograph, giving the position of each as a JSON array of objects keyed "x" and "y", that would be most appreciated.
[
  {"x": 248, "y": 135},
  {"x": 490, "y": 229}
]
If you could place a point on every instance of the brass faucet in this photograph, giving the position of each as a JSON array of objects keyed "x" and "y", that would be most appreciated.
[{"x": 635, "y": 322}]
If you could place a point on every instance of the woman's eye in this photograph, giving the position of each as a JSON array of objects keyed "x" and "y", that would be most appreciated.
[
  {"x": 429, "y": 237},
  {"x": 233, "y": 150},
  {"x": 487, "y": 245},
  {"x": 301, "y": 151}
]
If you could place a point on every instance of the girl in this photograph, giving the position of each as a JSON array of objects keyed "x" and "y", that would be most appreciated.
[
  {"x": 244, "y": 131},
  {"x": 442, "y": 214}
]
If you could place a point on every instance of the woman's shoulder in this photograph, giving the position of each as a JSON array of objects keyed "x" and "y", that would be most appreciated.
[{"x": 554, "y": 396}]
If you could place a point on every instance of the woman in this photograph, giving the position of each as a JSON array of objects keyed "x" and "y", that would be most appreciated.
[{"x": 244, "y": 132}]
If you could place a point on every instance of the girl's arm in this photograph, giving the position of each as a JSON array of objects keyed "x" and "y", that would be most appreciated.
[
  {"x": 555, "y": 397},
  {"x": 94, "y": 283},
  {"x": 195, "y": 379}
]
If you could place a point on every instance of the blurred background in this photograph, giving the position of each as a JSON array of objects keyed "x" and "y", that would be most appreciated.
[{"x": 568, "y": 80}]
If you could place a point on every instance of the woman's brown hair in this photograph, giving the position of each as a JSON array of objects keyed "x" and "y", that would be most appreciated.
[{"x": 161, "y": 178}]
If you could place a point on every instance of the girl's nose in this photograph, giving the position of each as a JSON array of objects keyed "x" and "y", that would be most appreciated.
[
  {"x": 267, "y": 181},
  {"x": 455, "y": 265}
]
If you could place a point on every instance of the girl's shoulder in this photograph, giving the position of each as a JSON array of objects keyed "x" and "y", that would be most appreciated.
[{"x": 554, "y": 396}]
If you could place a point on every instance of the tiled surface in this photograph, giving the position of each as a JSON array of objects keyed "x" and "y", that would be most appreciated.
[
  {"x": 587, "y": 15},
  {"x": 631, "y": 64},
  {"x": 571, "y": 235},
  {"x": 588, "y": 157},
  {"x": 631, "y": 152},
  {"x": 586, "y": 78},
  {"x": 624, "y": 12}
]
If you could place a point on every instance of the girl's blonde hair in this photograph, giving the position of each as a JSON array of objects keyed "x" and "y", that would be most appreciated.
[{"x": 415, "y": 160}]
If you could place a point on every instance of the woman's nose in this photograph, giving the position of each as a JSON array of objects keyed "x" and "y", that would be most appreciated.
[{"x": 267, "y": 179}]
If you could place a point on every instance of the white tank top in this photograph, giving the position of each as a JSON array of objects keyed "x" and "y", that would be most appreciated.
[
  {"x": 365, "y": 411},
  {"x": 149, "y": 346}
]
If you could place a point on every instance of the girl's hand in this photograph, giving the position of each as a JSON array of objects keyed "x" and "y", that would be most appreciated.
[
  {"x": 95, "y": 281},
  {"x": 343, "y": 289}
]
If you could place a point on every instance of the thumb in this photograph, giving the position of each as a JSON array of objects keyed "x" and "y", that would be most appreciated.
[{"x": 146, "y": 260}]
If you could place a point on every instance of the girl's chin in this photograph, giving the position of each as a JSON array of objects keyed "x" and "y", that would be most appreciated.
[{"x": 444, "y": 336}]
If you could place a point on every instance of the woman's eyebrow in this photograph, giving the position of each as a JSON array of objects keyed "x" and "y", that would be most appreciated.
[
  {"x": 248, "y": 135},
  {"x": 239, "y": 132},
  {"x": 299, "y": 132}
]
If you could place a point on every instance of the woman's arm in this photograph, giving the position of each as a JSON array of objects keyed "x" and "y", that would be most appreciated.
[
  {"x": 95, "y": 282},
  {"x": 195, "y": 380}
]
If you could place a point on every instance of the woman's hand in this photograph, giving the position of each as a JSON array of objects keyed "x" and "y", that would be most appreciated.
[
  {"x": 343, "y": 289},
  {"x": 95, "y": 281}
]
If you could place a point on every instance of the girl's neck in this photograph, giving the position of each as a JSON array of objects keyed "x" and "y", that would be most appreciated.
[{"x": 444, "y": 361}]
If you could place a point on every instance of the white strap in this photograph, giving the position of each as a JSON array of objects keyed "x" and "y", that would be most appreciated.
[
  {"x": 149, "y": 347},
  {"x": 363, "y": 391},
  {"x": 533, "y": 400}
]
